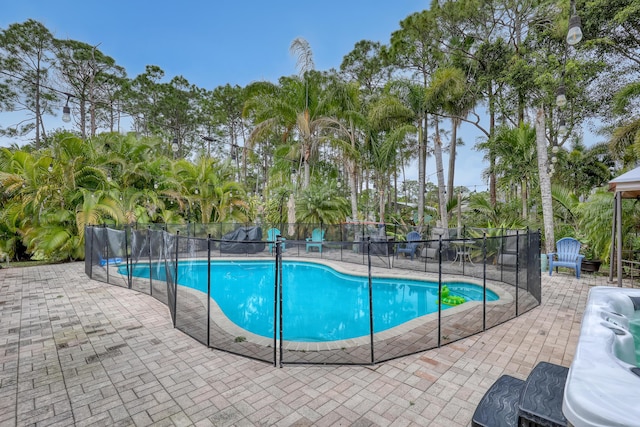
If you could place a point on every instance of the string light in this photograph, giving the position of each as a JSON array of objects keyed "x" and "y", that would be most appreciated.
[
  {"x": 66, "y": 111},
  {"x": 574, "y": 35},
  {"x": 562, "y": 127},
  {"x": 561, "y": 96}
]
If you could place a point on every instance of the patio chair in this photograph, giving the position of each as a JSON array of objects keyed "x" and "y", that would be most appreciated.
[
  {"x": 410, "y": 247},
  {"x": 508, "y": 255},
  {"x": 566, "y": 255},
  {"x": 109, "y": 261},
  {"x": 316, "y": 239},
  {"x": 272, "y": 233},
  {"x": 432, "y": 247}
]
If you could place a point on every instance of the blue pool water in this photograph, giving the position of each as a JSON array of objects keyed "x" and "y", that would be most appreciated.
[{"x": 319, "y": 303}]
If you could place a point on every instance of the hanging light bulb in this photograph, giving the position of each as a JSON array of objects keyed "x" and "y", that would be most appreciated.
[
  {"x": 66, "y": 111},
  {"x": 109, "y": 177},
  {"x": 50, "y": 168},
  {"x": 562, "y": 127},
  {"x": 555, "y": 149},
  {"x": 66, "y": 114},
  {"x": 561, "y": 96},
  {"x": 155, "y": 185},
  {"x": 574, "y": 35},
  {"x": 174, "y": 145},
  {"x": 554, "y": 159}
]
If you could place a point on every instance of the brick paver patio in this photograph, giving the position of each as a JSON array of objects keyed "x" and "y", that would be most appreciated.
[{"x": 74, "y": 351}]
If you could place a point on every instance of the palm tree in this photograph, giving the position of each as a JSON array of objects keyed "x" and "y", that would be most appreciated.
[
  {"x": 516, "y": 160},
  {"x": 321, "y": 204},
  {"x": 457, "y": 105},
  {"x": 584, "y": 169},
  {"x": 294, "y": 109},
  {"x": 350, "y": 125},
  {"x": 403, "y": 103},
  {"x": 447, "y": 86},
  {"x": 54, "y": 194},
  {"x": 390, "y": 123},
  {"x": 209, "y": 187}
]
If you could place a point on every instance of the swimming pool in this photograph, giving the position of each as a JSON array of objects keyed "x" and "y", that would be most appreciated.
[{"x": 318, "y": 303}]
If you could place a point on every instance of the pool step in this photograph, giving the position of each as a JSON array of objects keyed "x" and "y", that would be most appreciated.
[
  {"x": 499, "y": 405},
  {"x": 534, "y": 402}
]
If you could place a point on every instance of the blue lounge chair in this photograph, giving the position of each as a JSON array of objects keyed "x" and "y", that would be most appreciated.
[
  {"x": 316, "y": 239},
  {"x": 109, "y": 261},
  {"x": 271, "y": 236},
  {"x": 567, "y": 255},
  {"x": 410, "y": 247}
]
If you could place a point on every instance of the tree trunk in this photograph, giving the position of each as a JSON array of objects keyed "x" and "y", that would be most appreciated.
[
  {"x": 382, "y": 199},
  {"x": 492, "y": 158},
  {"x": 307, "y": 174},
  {"x": 422, "y": 168},
  {"x": 352, "y": 173},
  {"x": 38, "y": 115},
  {"x": 395, "y": 191},
  {"x": 452, "y": 157},
  {"x": 442, "y": 201},
  {"x": 545, "y": 182},
  {"x": 525, "y": 204},
  {"x": 83, "y": 118},
  {"x": 352, "y": 176}
]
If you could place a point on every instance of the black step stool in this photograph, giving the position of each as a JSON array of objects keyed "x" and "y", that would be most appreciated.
[
  {"x": 536, "y": 402},
  {"x": 499, "y": 405}
]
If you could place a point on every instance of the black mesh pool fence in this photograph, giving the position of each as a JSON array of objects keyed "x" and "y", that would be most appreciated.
[{"x": 268, "y": 291}]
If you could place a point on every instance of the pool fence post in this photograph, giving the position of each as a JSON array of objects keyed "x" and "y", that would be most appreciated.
[
  {"x": 503, "y": 242},
  {"x": 209, "y": 290},
  {"x": 275, "y": 308},
  {"x": 92, "y": 250},
  {"x": 363, "y": 242},
  {"x": 517, "y": 267},
  {"x": 279, "y": 275},
  {"x": 370, "y": 298},
  {"x": 175, "y": 281},
  {"x": 440, "y": 291},
  {"x": 342, "y": 241},
  {"x": 464, "y": 250},
  {"x": 484, "y": 281},
  {"x": 106, "y": 248},
  {"x": 126, "y": 254},
  {"x": 321, "y": 238},
  {"x": 150, "y": 268}
]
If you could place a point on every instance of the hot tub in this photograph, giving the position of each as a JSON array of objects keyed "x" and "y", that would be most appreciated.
[{"x": 603, "y": 385}]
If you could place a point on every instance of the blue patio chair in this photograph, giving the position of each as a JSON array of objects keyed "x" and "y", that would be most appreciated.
[
  {"x": 567, "y": 255},
  {"x": 109, "y": 261},
  {"x": 316, "y": 239},
  {"x": 410, "y": 247},
  {"x": 271, "y": 236}
]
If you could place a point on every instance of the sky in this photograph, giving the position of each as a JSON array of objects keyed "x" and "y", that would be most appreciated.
[{"x": 212, "y": 43}]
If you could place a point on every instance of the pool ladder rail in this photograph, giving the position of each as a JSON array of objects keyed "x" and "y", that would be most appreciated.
[{"x": 537, "y": 401}]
